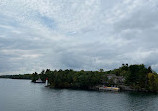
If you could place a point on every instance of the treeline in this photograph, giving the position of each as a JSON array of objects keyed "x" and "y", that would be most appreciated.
[
  {"x": 20, "y": 76},
  {"x": 136, "y": 76},
  {"x": 71, "y": 79}
]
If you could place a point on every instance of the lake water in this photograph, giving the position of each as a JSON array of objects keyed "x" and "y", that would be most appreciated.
[{"x": 22, "y": 95}]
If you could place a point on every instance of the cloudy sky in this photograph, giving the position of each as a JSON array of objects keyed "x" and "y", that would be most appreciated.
[{"x": 77, "y": 34}]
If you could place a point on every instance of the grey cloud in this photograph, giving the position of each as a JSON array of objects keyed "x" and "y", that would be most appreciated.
[{"x": 78, "y": 38}]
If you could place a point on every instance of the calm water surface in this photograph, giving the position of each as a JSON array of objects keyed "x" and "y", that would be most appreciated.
[{"x": 22, "y": 95}]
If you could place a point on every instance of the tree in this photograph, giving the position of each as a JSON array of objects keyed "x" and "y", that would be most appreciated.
[
  {"x": 34, "y": 77},
  {"x": 152, "y": 82},
  {"x": 149, "y": 69},
  {"x": 101, "y": 70}
]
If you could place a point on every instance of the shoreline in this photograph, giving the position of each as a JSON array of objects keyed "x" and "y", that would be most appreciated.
[
  {"x": 90, "y": 89},
  {"x": 121, "y": 90}
]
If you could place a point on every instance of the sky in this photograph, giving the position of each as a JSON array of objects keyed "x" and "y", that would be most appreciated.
[{"x": 77, "y": 34}]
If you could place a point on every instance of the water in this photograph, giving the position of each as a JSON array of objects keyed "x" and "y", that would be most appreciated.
[{"x": 22, "y": 95}]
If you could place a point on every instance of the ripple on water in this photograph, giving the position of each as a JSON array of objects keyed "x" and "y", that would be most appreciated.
[{"x": 22, "y": 95}]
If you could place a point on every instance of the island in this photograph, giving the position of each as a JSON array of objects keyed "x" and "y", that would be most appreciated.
[{"x": 135, "y": 77}]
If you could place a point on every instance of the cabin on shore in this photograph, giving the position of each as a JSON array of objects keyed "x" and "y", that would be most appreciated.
[
  {"x": 39, "y": 80},
  {"x": 116, "y": 79}
]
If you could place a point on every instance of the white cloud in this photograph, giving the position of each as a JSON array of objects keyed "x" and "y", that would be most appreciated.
[{"x": 85, "y": 34}]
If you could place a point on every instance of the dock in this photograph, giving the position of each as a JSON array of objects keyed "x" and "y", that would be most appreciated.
[{"x": 104, "y": 88}]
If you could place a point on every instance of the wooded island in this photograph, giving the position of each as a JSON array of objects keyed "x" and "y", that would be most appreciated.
[{"x": 133, "y": 77}]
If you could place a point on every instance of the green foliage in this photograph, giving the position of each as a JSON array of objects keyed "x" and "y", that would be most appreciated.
[
  {"x": 34, "y": 77},
  {"x": 152, "y": 82},
  {"x": 137, "y": 76},
  {"x": 70, "y": 79}
]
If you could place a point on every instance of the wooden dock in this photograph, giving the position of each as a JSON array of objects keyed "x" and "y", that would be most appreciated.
[{"x": 104, "y": 88}]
